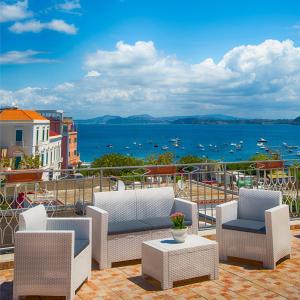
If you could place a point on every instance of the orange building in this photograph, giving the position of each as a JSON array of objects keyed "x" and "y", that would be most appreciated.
[{"x": 71, "y": 157}]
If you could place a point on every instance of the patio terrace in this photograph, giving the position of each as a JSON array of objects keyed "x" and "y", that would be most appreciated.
[{"x": 237, "y": 280}]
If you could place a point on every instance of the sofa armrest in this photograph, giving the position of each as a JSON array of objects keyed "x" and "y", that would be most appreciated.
[
  {"x": 278, "y": 231},
  {"x": 81, "y": 226},
  {"x": 226, "y": 212},
  {"x": 99, "y": 231},
  {"x": 190, "y": 210},
  {"x": 41, "y": 253}
]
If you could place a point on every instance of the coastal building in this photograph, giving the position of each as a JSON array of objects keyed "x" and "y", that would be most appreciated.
[
  {"x": 26, "y": 133},
  {"x": 59, "y": 124},
  {"x": 71, "y": 157}
]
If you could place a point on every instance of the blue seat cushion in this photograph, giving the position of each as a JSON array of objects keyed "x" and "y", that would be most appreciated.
[
  {"x": 163, "y": 222},
  {"x": 127, "y": 227},
  {"x": 79, "y": 246},
  {"x": 246, "y": 226}
]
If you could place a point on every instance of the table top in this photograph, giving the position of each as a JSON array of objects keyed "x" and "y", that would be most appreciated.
[{"x": 168, "y": 244}]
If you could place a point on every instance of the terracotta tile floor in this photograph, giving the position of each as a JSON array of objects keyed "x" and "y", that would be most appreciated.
[{"x": 237, "y": 280}]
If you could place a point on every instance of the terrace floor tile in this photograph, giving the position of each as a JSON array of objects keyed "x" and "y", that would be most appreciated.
[{"x": 237, "y": 280}]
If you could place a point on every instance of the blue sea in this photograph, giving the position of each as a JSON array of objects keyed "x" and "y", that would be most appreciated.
[{"x": 140, "y": 140}]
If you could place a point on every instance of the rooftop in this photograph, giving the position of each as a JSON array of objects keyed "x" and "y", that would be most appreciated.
[
  {"x": 20, "y": 115},
  {"x": 237, "y": 280}
]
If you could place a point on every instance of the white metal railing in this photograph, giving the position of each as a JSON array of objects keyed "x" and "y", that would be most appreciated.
[{"x": 207, "y": 184}]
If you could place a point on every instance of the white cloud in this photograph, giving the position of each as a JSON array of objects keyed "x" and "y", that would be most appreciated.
[
  {"x": 13, "y": 12},
  {"x": 69, "y": 5},
  {"x": 64, "y": 86},
  {"x": 23, "y": 57},
  {"x": 36, "y": 26},
  {"x": 92, "y": 74},
  {"x": 250, "y": 80}
]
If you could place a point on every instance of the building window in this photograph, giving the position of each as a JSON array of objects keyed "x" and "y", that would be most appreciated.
[
  {"x": 47, "y": 135},
  {"x": 19, "y": 137},
  {"x": 37, "y": 136},
  {"x": 70, "y": 140},
  {"x": 75, "y": 152},
  {"x": 17, "y": 161},
  {"x": 43, "y": 159},
  {"x": 51, "y": 158},
  {"x": 75, "y": 140},
  {"x": 43, "y": 138},
  {"x": 46, "y": 158}
]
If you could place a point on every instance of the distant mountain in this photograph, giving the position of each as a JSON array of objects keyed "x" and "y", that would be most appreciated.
[
  {"x": 296, "y": 121},
  {"x": 148, "y": 119},
  {"x": 97, "y": 120},
  {"x": 195, "y": 119}
]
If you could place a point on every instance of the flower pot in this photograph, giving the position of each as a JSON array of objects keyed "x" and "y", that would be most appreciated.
[
  {"x": 24, "y": 176},
  {"x": 179, "y": 235}
]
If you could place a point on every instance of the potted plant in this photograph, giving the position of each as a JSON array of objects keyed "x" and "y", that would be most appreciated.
[
  {"x": 29, "y": 163},
  {"x": 179, "y": 230},
  {"x": 5, "y": 164}
]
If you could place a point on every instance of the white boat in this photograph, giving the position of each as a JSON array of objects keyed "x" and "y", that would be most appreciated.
[
  {"x": 260, "y": 145},
  {"x": 262, "y": 140},
  {"x": 164, "y": 148},
  {"x": 200, "y": 146},
  {"x": 127, "y": 147},
  {"x": 175, "y": 144},
  {"x": 231, "y": 151},
  {"x": 233, "y": 144},
  {"x": 175, "y": 140}
]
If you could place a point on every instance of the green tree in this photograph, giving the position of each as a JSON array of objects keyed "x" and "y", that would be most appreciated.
[
  {"x": 162, "y": 159},
  {"x": 116, "y": 160}
]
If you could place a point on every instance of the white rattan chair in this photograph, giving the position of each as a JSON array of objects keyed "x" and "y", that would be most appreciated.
[
  {"x": 120, "y": 186},
  {"x": 256, "y": 227},
  {"x": 52, "y": 255}
]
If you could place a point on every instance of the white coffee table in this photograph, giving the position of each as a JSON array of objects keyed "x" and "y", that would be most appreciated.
[{"x": 168, "y": 261}]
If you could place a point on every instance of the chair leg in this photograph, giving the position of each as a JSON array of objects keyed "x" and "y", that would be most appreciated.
[
  {"x": 70, "y": 296},
  {"x": 269, "y": 265}
]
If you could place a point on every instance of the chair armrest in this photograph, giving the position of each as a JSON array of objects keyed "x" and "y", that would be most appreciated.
[
  {"x": 226, "y": 212},
  {"x": 99, "y": 231},
  {"x": 81, "y": 226},
  {"x": 278, "y": 229},
  {"x": 40, "y": 253},
  {"x": 190, "y": 210}
]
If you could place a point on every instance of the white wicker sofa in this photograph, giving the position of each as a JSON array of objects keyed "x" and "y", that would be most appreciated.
[
  {"x": 255, "y": 227},
  {"x": 52, "y": 255},
  {"x": 122, "y": 220}
]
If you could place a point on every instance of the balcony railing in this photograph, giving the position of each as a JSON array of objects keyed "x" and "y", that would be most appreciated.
[{"x": 207, "y": 184}]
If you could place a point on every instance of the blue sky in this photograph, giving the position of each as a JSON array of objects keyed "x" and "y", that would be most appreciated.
[{"x": 157, "y": 57}]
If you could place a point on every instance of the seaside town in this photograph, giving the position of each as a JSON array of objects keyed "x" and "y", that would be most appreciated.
[
  {"x": 44, "y": 139},
  {"x": 149, "y": 150}
]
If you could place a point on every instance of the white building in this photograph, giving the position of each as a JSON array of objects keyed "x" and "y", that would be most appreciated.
[{"x": 26, "y": 132}]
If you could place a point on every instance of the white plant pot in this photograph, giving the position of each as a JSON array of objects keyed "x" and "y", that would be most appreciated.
[{"x": 179, "y": 235}]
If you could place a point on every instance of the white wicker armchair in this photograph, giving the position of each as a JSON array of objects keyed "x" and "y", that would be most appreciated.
[
  {"x": 255, "y": 227},
  {"x": 123, "y": 220},
  {"x": 52, "y": 255}
]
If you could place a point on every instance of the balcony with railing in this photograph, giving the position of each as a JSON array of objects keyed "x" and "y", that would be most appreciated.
[{"x": 207, "y": 184}]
